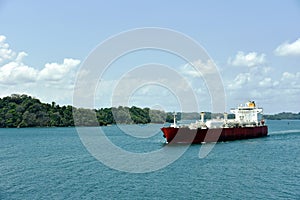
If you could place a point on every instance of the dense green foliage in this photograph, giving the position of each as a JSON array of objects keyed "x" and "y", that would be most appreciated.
[
  {"x": 283, "y": 115},
  {"x": 25, "y": 111}
]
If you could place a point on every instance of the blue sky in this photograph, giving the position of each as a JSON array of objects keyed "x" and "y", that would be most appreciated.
[{"x": 255, "y": 45}]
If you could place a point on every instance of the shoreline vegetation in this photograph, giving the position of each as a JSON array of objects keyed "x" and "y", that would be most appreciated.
[{"x": 17, "y": 111}]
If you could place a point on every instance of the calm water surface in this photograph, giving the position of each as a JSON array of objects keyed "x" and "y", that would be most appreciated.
[{"x": 52, "y": 163}]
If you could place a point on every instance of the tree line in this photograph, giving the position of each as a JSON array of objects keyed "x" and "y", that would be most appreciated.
[
  {"x": 25, "y": 111},
  {"x": 283, "y": 115}
]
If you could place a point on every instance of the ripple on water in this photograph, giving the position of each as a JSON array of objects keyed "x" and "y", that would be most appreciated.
[{"x": 53, "y": 164}]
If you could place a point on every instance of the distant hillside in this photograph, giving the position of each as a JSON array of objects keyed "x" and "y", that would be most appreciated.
[{"x": 283, "y": 115}]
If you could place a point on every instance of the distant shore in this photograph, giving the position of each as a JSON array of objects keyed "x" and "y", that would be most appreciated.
[{"x": 20, "y": 111}]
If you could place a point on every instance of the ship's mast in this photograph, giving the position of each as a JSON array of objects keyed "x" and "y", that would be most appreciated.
[
  {"x": 174, "y": 120},
  {"x": 202, "y": 116}
]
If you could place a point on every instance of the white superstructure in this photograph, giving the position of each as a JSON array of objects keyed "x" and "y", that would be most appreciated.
[
  {"x": 245, "y": 115},
  {"x": 248, "y": 114}
]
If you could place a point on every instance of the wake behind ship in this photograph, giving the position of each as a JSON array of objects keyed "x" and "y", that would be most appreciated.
[{"x": 248, "y": 123}]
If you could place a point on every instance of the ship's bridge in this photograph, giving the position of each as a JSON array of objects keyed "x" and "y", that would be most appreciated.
[{"x": 248, "y": 113}]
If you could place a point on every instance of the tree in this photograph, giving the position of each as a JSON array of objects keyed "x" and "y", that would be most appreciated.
[{"x": 29, "y": 119}]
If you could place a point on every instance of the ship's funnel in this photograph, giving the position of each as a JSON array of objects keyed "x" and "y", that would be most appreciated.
[{"x": 202, "y": 116}]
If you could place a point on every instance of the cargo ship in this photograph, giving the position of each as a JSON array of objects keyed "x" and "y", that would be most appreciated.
[{"x": 248, "y": 123}]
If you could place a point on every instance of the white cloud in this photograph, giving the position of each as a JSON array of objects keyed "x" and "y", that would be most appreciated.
[
  {"x": 266, "y": 82},
  {"x": 6, "y": 54},
  {"x": 251, "y": 59},
  {"x": 290, "y": 76},
  {"x": 14, "y": 73},
  {"x": 287, "y": 76},
  {"x": 2, "y": 39},
  {"x": 255, "y": 79},
  {"x": 54, "y": 81},
  {"x": 204, "y": 68},
  {"x": 266, "y": 70},
  {"x": 20, "y": 56},
  {"x": 287, "y": 48},
  {"x": 261, "y": 85},
  {"x": 239, "y": 81},
  {"x": 56, "y": 71},
  {"x": 291, "y": 80}
]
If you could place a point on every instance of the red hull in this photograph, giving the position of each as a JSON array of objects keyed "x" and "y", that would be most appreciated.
[{"x": 186, "y": 135}]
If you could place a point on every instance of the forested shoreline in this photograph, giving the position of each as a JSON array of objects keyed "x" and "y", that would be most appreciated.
[
  {"x": 17, "y": 111},
  {"x": 26, "y": 111},
  {"x": 283, "y": 115}
]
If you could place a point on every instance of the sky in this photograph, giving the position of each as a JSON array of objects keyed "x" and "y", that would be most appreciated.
[{"x": 254, "y": 44}]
